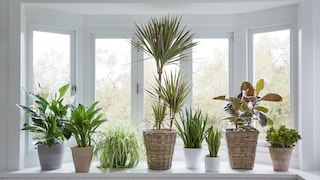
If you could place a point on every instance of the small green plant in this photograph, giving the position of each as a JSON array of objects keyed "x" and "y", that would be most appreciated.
[
  {"x": 48, "y": 117},
  {"x": 247, "y": 105},
  {"x": 282, "y": 137},
  {"x": 192, "y": 129},
  {"x": 213, "y": 139},
  {"x": 83, "y": 123},
  {"x": 119, "y": 147}
]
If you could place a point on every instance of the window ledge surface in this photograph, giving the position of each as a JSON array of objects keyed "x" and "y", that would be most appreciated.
[{"x": 141, "y": 171}]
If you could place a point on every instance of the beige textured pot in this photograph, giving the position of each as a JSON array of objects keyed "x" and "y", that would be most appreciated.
[
  {"x": 82, "y": 157},
  {"x": 280, "y": 158}
]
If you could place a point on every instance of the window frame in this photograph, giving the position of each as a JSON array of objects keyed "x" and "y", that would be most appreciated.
[{"x": 30, "y": 158}]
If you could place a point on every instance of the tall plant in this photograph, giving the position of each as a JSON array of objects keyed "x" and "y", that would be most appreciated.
[{"x": 166, "y": 41}]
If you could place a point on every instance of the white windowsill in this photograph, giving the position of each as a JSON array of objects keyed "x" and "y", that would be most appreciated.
[{"x": 178, "y": 171}]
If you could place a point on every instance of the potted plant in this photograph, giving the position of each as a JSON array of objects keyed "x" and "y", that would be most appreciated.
[
  {"x": 213, "y": 139},
  {"x": 282, "y": 141},
  {"x": 242, "y": 110},
  {"x": 192, "y": 130},
  {"x": 119, "y": 147},
  {"x": 167, "y": 42},
  {"x": 82, "y": 125},
  {"x": 48, "y": 118}
]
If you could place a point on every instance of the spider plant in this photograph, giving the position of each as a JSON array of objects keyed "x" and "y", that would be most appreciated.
[
  {"x": 192, "y": 129},
  {"x": 119, "y": 147},
  {"x": 83, "y": 123}
]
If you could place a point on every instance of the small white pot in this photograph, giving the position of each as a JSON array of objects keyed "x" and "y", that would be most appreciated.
[
  {"x": 212, "y": 163},
  {"x": 193, "y": 157}
]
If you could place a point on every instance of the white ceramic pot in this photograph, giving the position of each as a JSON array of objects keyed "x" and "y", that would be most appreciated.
[
  {"x": 212, "y": 163},
  {"x": 193, "y": 157}
]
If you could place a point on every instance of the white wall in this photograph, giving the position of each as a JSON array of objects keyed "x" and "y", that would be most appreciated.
[{"x": 4, "y": 58}]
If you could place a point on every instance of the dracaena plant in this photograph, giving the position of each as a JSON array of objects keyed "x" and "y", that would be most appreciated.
[
  {"x": 166, "y": 41},
  {"x": 247, "y": 105},
  {"x": 48, "y": 117},
  {"x": 84, "y": 123}
]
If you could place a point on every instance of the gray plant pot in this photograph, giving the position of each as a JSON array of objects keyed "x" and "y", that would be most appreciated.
[{"x": 50, "y": 158}]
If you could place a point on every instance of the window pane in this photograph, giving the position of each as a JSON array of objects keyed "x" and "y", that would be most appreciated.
[
  {"x": 210, "y": 76},
  {"x": 51, "y": 60},
  {"x": 113, "y": 79},
  {"x": 272, "y": 63}
]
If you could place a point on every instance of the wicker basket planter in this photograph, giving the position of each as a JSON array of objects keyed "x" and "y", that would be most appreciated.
[
  {"x": 242, "y": 148},
  {"x": 159, "y": 148}
]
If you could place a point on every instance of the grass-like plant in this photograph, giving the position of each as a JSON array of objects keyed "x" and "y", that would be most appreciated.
[
  {"x": 282, "y": 137},
  {"x": 119, "y": 147},
  {"x": 213, "y": 139},
  {"x": 192, "y": 129},
  {"x": 83, "y": 123},
  {"x": 48, "y": 117}
]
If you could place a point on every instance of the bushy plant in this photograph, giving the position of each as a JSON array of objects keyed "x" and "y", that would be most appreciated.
[
  {"x": 247, "y": 105},
  {"x": 48, "y": 117},
  {"x": 213, "y": 139},
  {"x": 83, "y": 123},
  {"x": 282, "y": 137},
  {"x": 119, "y": 147},
  {"x": 192, "y": 128}
]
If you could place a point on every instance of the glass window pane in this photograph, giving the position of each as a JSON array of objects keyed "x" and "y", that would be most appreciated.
[
  {"x": 210, "y": 76},
  {"x": 272, "y": 63},
  {"x": 51, "y": 60},
  {"x": 113, "y": 79}
]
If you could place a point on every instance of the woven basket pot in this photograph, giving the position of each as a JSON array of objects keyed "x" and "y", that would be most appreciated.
[
  {"x": 242, "y": 148},
  {"x": 159, "y": 148}
]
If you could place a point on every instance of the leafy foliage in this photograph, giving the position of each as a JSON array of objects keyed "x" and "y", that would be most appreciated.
[
  {"x": 213, "y": 139},
  {"x": 193, "y": 128},
  {"x": 119, "y": 147},
  {"x": 83, "y": 123},
  {"x": 283, "y": 137},
  {"x": 48, "y": 117},
  {"x": 246, "y": 106}
]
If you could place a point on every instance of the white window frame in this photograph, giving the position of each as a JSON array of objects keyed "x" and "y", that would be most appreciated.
[
  {"x": 30, "y": 150},
  {"x": 262, "y": 150}
]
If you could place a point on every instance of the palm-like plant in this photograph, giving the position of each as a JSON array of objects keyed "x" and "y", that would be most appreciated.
[
  {"x": 165, "y": 40},
  {"x": 48, "y": 117},
  {"x": 173, "y": 92},
  {"x": 192, "y": 129},
  {"x": 83, "y": 123}
]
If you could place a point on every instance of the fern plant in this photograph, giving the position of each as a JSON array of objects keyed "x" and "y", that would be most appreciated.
[
  {"x": 192, "y": 129},
  {"x": 83, "y": 123},
  {"x": 213, "y": 139}
]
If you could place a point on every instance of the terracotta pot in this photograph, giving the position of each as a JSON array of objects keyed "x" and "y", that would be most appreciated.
[
  {"x": 50, "y": 158},
  {"x": 82, "y": 157},
  {"x": 280, "y": 158},
  {"x": 159, "y": 148},
  {"x": 212, "y": 163},
  {"x": 192, "y": 157}
]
